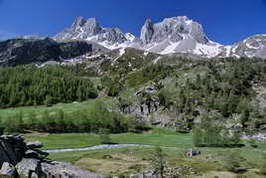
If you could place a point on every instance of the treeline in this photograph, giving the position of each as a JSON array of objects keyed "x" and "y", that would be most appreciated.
[
  {"x": 30, "y": 85},
  {"x": 93, "y": 119}
]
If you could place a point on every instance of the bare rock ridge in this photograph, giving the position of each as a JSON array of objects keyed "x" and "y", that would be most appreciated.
[
  {"x": 172, "y": 35},
  {"x": 90, "y": 30},
  {"x": 147, "y": 31},
  {"x": 18, "y": 158}
]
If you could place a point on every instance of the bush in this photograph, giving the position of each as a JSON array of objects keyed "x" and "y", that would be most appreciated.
[
  {"x": 158, "y": 161},
  {"x": 263, "y": 165},
  {"x": 233, "y": 162},
  {"x": 105, "y": 137},
  {"x": 212, "y": 134}
]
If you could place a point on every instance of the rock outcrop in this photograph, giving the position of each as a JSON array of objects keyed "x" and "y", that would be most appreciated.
[
  {"x": 147, "y": 31},
  {"x": 25, "y": 159}
]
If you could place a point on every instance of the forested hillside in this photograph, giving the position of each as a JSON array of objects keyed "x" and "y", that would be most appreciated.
[
  {"x": 30, "y": 85},
  {"x": 173, "y": 92}
]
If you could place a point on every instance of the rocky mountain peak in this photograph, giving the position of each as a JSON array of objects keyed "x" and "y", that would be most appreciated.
[
  {"x": 147, "y": 31},
  {"x": 172, "y": 35},
  {"x": 178, "y": 28},
  {"x": 79, "y": 22}
]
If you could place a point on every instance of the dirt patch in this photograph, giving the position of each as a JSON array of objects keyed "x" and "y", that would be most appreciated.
[
  {"x": 37, "y": 134},
  {"x": 114, "y": 164}
]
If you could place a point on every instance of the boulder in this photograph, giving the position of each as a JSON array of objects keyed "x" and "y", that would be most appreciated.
[
  {"x": 145, "y": 175},
  {"x": 34, "y": 167},
  {"x": 24, "y": 159},
  {"x": 7, "y": 170},
  {"x": 34, "y": 144}
]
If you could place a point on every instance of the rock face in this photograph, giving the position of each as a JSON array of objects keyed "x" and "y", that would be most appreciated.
[
  {"x": 254, "y": 46},
  {"x": 12, "y": 149},
  {"x": 24, "y": 51},
  {"x": 178, "y": 35},
  {"x": 90, "y": 30},
  {"x": 20, "y": 158},
  {"x": 147, "y": 32}
]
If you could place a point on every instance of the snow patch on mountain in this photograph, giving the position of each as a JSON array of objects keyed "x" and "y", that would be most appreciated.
[{"x": 172, "y": 35}]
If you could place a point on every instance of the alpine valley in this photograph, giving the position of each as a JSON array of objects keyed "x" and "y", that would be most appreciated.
[{"x": 116, "y": 105}]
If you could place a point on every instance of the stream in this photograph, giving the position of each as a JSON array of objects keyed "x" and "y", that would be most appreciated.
[{"x": 98, "y": 147}]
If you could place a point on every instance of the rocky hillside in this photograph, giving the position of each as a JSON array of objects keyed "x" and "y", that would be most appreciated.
[{"x": 25, "y": 51}]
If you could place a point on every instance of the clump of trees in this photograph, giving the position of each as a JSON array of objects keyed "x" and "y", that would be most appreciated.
[
  {"x": 234, "y": 162},
  {"x": 94, "y": 119},
  {"x": 210, "y": 133},
  {"x": 158, "y": 162},
  {"x": 29, "y": 85}
]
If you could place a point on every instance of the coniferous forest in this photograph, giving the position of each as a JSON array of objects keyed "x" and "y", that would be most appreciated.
[{"x": 30, "y": 85}]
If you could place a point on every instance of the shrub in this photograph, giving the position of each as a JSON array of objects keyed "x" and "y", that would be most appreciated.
[
  {"x": 263, "y": 165},
  {"x": 233, "y": 162},
  {"x": 158, "y": 161},
  {"x": 105, "y": 137},
  {"x": 212, "y": 134}
]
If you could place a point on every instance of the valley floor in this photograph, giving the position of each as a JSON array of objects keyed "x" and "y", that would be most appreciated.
[{"x": 126, "y": 161}]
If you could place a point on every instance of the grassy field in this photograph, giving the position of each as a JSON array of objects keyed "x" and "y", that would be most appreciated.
[
  {"x": 125, "y": 161},
  {"x": 68, "y": 108},
  {"x": 156, "y": 137}
]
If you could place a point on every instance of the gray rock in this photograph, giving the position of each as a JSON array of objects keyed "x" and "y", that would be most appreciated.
[
  {"x": 147, "y": 31},
  {"x": 254, "y": 46},
  {"x": 90, "y": 30},
  {"x": 176, "y": 29},
  {"x": 34, "y": 144},
  {"x": 34, "y": 168},
  {"x": 8, "y": 170},
  {"x": 25, "y": 159},
  {"x": 145, "y": 175}
]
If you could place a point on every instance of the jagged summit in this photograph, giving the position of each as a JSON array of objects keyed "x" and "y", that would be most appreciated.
[
  {"x": 175, "y": 29},
  {"x": 90, "y": 30},
  {"x": 172, "y": 35},
  {"x": 147, "y": 31}
]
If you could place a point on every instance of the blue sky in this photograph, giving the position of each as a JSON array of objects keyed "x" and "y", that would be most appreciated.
[{"x": 224, "y": 21}]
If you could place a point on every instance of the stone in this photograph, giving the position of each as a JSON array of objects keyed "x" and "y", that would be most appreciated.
[
  {"x": 34, "y": 144},
  {"x": 31, "y": 167},
  {"x": 17, "y": 156},
  {"x": 145, "y": 175},
  {"x": 192, "y": 153},
  {"x": 7, "y": 170}
]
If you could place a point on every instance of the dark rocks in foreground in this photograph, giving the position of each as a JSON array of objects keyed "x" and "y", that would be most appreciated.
[{"x": 24, "y": 159}]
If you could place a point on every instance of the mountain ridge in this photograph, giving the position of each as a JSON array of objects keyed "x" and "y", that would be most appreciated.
[{"x": 172, "y": 35}]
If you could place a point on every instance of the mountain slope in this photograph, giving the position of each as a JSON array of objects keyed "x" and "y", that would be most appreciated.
[
  {"x": 25, "y": 51},
  {"x": 90, "y": 30}
]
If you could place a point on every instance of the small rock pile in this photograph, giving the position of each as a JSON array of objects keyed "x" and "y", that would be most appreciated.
[
  {"x": 18, "y": 158},
  {"x": 181, "y": 172}
]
